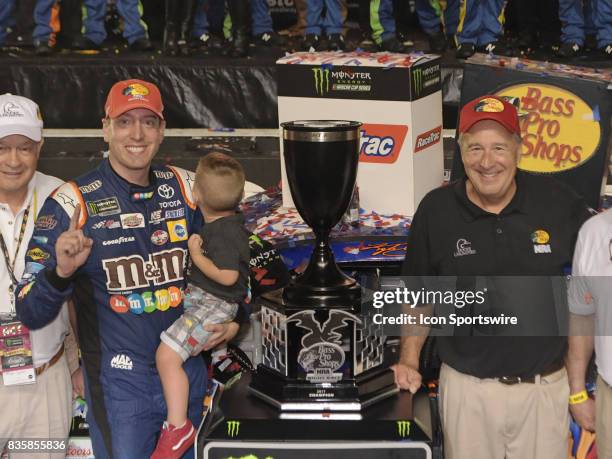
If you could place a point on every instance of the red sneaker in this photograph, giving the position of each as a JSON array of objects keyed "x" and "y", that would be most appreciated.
[{"x": 174, "y": 441}]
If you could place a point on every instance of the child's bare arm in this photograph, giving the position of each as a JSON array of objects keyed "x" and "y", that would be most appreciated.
[{"x": 225, "y": 277}]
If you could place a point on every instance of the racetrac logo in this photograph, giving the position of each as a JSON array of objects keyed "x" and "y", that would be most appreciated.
[
  {"x": 121, "y": 362},
  {"x": 427, "y": 139},
  {"x": 381, "y": 143}
]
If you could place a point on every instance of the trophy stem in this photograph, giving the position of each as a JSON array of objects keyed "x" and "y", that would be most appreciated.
[{"x": 322, "y": 283}]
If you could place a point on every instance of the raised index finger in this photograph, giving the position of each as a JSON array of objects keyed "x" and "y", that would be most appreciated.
[{"x": 74, "y": 220}]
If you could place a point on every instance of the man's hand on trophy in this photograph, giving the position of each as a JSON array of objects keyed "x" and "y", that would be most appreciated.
[
  {"x": 407, "y": 377},
  {"x": 72, "y": 247}
]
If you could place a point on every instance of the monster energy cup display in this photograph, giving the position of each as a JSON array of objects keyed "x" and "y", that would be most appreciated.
[{"x": 398, "y": 100}]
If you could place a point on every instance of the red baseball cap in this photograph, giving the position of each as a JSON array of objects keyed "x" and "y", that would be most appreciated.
[
  {"x": 130, "y": 94},
  {"x": 489, "y": 108}
]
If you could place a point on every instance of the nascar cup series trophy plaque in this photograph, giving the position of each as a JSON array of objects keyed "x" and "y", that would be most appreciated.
[{"x": 318, "y": 353}]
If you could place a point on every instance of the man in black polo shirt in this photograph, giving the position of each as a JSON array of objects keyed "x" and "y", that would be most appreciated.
[{"x": 500, "y": 396}]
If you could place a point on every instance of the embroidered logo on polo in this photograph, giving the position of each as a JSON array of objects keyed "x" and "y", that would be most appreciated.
[
  {"x": 133, "y": 272},
  {"x": 177, "y": 230},
  {"x": 463, "y": 248},
  {"x": 103, "y": 207},
  {"x": 165, "y": 191},
  {"x": 137, "y": 303},
  {"x": 540, "y": 239}
]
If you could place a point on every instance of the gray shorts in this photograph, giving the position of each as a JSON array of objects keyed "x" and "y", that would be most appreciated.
[{"x": 186, "y": 336}]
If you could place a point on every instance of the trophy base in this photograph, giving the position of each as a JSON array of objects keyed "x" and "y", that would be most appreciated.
[{"x": 344, "y": 396}]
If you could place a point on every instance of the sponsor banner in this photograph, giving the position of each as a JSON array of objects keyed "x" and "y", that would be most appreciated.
[
  {"x": 564, "y": 123},
  {"x": 427, "y": 139},
  {"x": 559, "y": 129},
  {"x": 381, "y": 143},
  {"x": 352, "y": 82}
]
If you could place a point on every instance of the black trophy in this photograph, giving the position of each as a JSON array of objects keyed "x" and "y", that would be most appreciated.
[{"x": 319, "y": 353}]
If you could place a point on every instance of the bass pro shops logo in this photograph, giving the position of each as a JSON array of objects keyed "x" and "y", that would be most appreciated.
[
  {"x": 322, "y": 354},
  {"x": 233, "y": 428},
  {"x": 381, "y": 143}
]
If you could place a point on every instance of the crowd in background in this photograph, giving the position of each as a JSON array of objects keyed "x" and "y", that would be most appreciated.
[{"x": 554, "y": 28}]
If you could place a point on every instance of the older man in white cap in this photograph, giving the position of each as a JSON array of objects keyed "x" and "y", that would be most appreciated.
[{"x": 37, "y": 404}]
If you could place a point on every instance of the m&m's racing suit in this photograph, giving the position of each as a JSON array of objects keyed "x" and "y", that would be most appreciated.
[{"x": 128, "y": 291}]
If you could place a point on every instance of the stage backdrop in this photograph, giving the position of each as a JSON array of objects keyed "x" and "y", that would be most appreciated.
[{"x": 564, "y": 113}]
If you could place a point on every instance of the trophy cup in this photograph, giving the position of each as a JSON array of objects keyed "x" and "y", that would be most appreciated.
[{"x": 318, "y": 353}]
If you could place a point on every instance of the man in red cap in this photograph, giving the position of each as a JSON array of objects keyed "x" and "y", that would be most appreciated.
[
  {"x": 115, "y": 239},
  {"x": 503, "y": 390}
]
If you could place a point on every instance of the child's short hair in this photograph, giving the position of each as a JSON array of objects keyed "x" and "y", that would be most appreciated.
[{"x": 220, "y": 181}]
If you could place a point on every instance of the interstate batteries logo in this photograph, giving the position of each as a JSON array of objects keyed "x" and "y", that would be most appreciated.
[
  {"x": 326, "y": 79},
  {"x": 424, "y": 80},
  {"x": 381, "y": 143}
]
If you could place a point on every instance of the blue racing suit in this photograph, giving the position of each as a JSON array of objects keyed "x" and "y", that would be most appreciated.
[
  {"x": 480, "y": 21},
  {"x": 382, "y": 20},
  {"x": 261, "y": 21},
  {"x": 46, "y": 18},
  {"x": 7, "y": 8},
  {"x": 316, "y": 23},
  {"x": 128, "y": 291},
  {"x": 595, "y": 18},
  {"x": 129, "y": 10},
  {"x": 435, "y": 13}
]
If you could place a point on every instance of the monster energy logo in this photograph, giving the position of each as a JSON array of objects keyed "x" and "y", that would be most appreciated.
[
  {"x": 417, "y": 78},
  {"x": 233, "y": 428},
  {"x": 321, "y": 78},
  {"x": 403, "y": 428}
]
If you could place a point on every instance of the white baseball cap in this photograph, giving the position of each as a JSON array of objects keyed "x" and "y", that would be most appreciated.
[{"x": 20, "y": 115}]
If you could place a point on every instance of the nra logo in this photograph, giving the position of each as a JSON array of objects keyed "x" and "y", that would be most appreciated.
[
  {"x": 381, "y": 143},
  {"x": 427, "y": 139}
]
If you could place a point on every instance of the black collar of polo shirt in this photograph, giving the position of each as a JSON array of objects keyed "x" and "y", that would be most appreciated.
[{"x": 470, "y": 211}]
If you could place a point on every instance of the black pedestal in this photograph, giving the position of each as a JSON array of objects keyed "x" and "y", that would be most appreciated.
[{"x": 243, "y": 426}]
